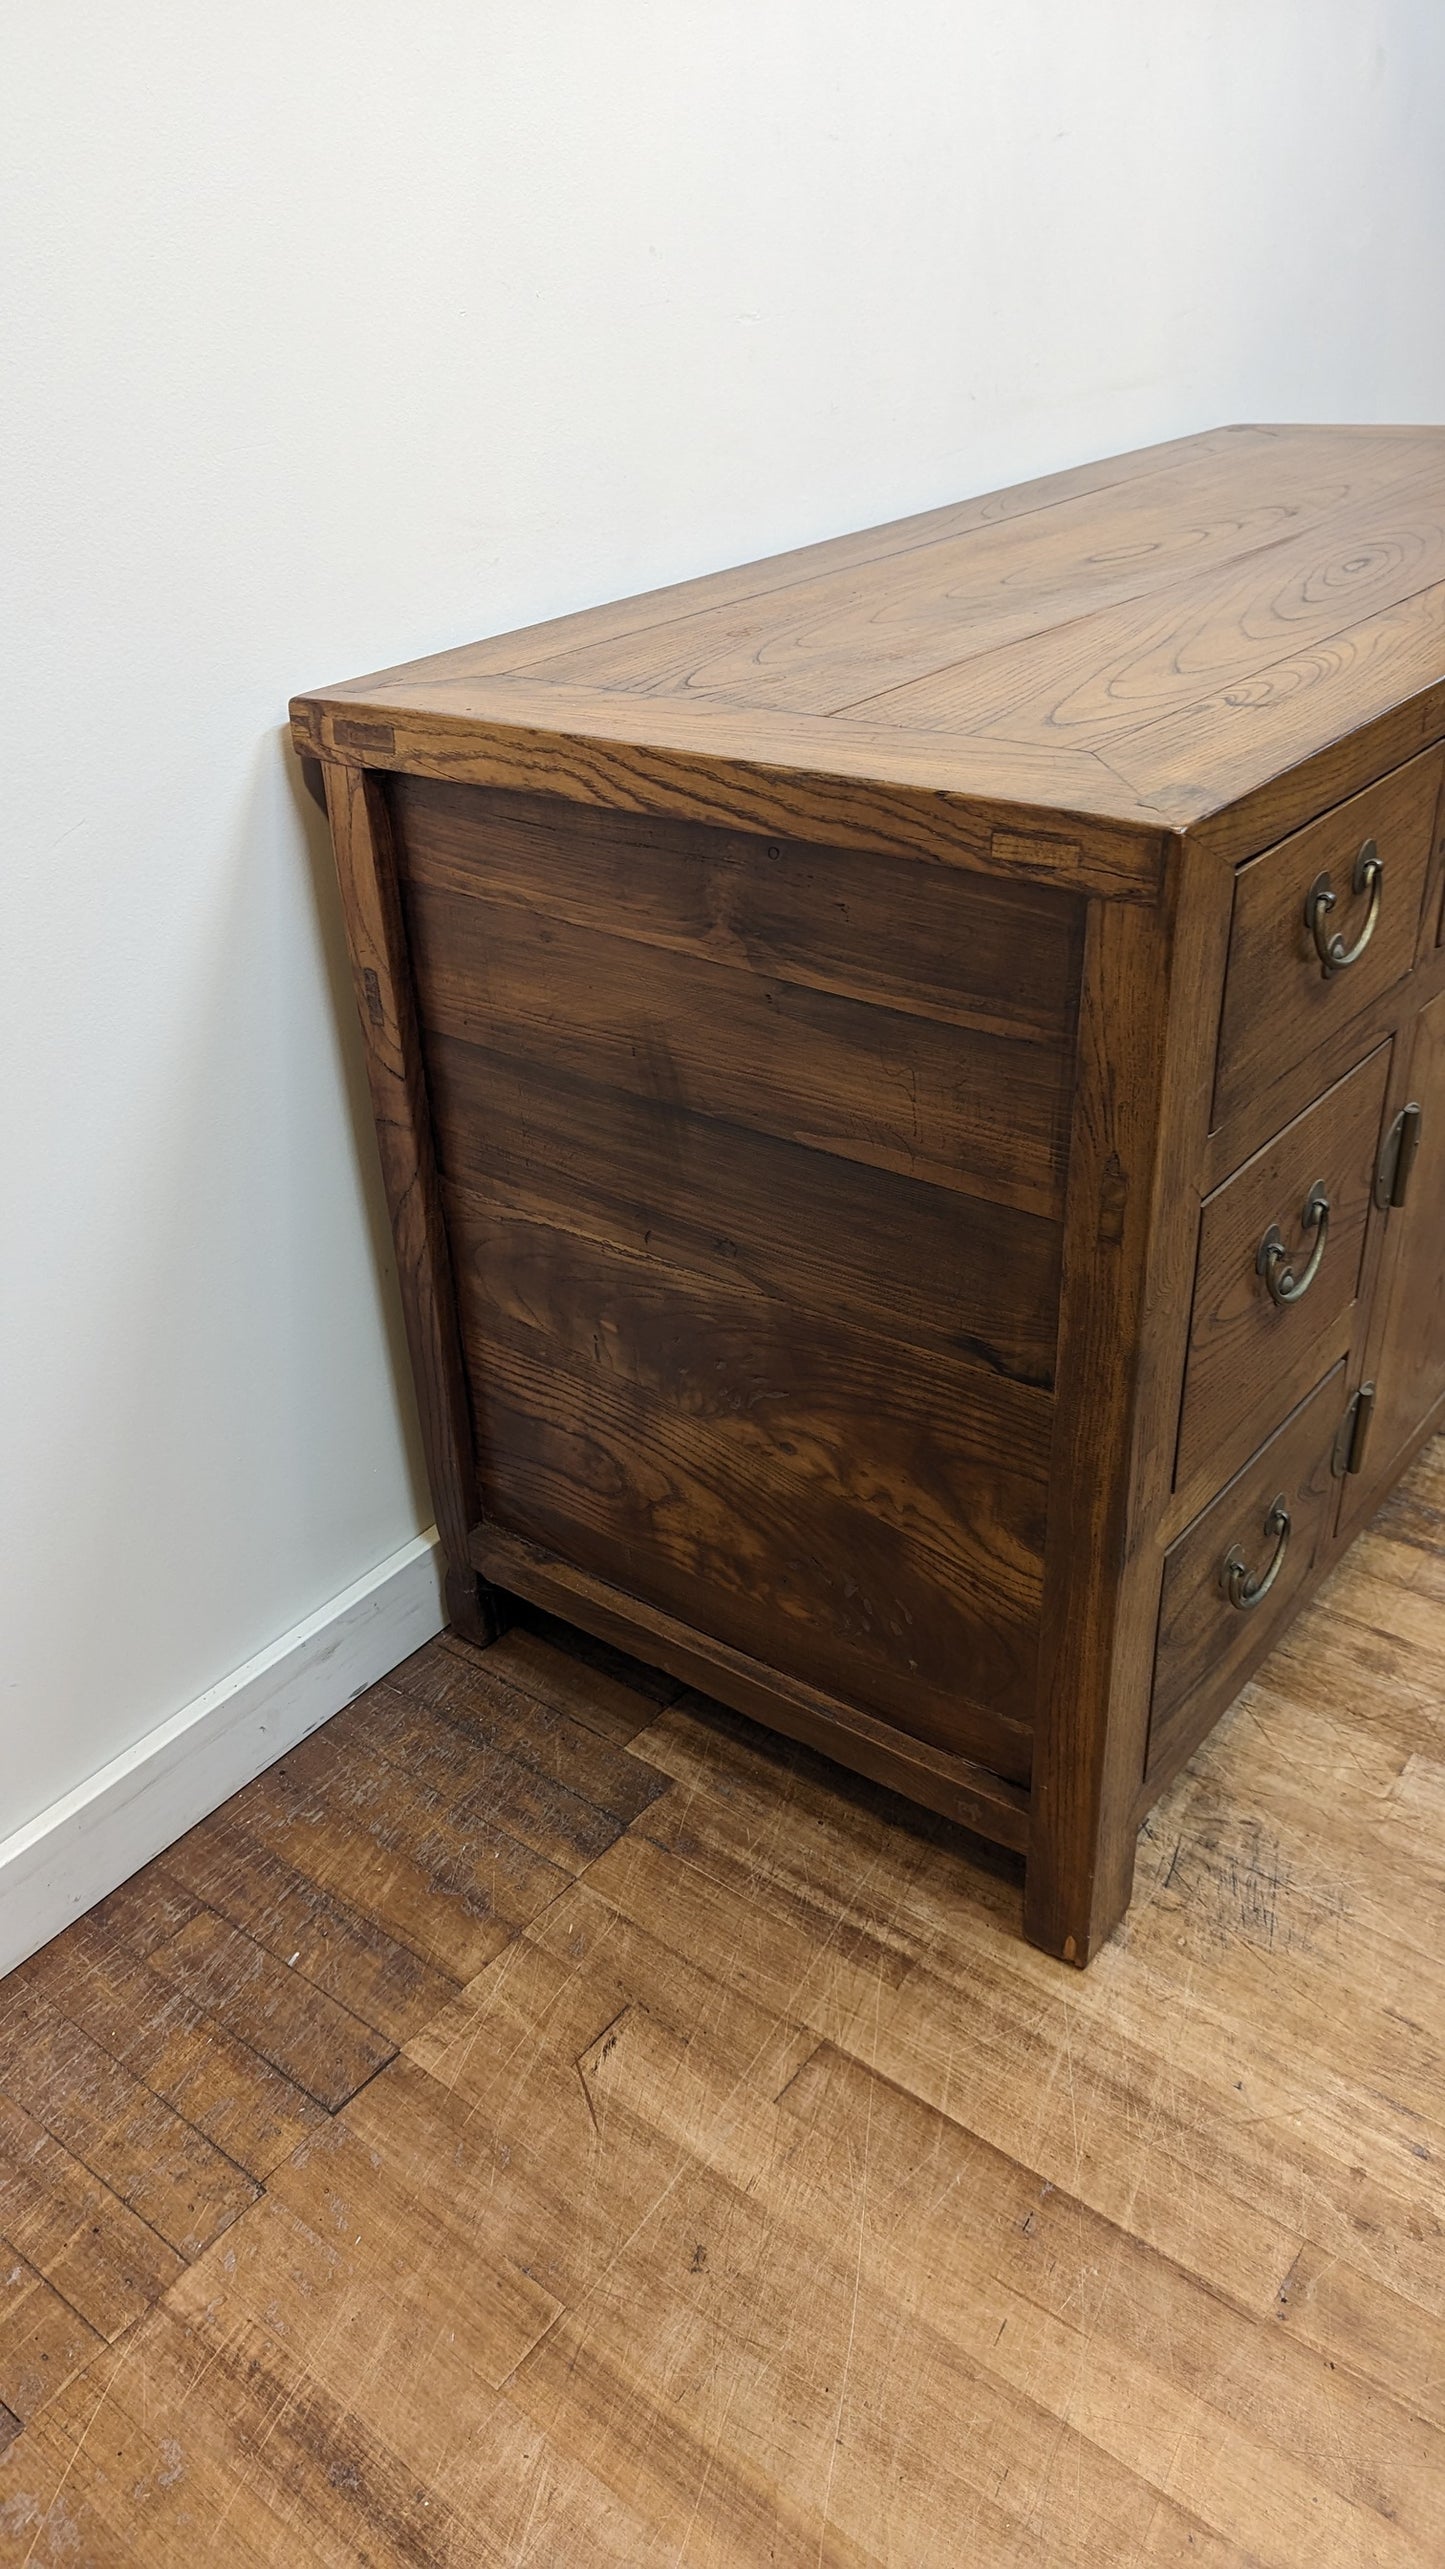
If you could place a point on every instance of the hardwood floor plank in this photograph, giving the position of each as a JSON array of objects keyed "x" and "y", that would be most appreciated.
[
  {"x": 312, "y": 1930},
  {"x": 186, "y": 2189},
  {"x": 219, "y": 2084},
  {"x": 107, "y": 2262},
  {"x": 476, "y": 1756},
  {"x": 42, "y": 2340},
  {"x": 320, "y": 2046},
  {"x": 743, "y": 2189},
  {"x": 518, "y": 1699},
  {"x": 361, "y": 1830},
  {"x": 586, "y": 1688}
]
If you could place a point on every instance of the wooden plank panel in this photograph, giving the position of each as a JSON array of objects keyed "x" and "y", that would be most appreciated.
[
  {"x": 102, "y": 2257},
  {"x": 529, "y": 1727},
  {"x": 464, "y": 1757},
  {"x": 1059, "y": 816},
  {"x": 977, "y": 1113},
  {"x": 303, "y": 2033},
  {"x": 1107, "y": 674},
  {"x": 221, "y": 2085},
  {"x": 828, "y": 641},
  {"x": 1254, "y": 759},
  {"x": 927, "y": 940},
  {"x": 959, "y": 1787},
  {"x": 846, "y": 554},
  {"x": 42, "y": 2340},
  {"x": 159, "y": 2165},
  {"x": 803, "y": 1228},
  {"x": 889, "y": 1511},
  {"x": 312, "y": 1930},
  {"x": 448, "y": 1883}
]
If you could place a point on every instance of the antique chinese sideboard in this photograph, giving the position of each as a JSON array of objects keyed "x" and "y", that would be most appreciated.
[{"x": 911, "y": 1085}]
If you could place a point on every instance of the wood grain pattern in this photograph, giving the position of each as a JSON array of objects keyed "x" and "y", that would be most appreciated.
[
  {"x": 1249, "y": 1356},
  {"x": 365, "y": 868},
  {"x": 1086, "y": 1757},
  {"x": 1406, "y": 1357},
  {"x": 1279, "y": 1005},
  {"x": 825, "y": 997},
  {"x": 879, "y": 1520},
  {"x": 1153, "y": 643},
  {"x": 882, "y": 1087},
  {"x": 944, "y": 1781},
  {"x": 764, "y": 2197},
  {"x": 1207, "y": 1646}
]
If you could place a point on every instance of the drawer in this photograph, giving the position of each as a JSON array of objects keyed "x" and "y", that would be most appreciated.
[
  {"x": 1273, "y": 1282},
  {"x": 1279, "y": 999},
  {"x": 1232, "y": 1579}
]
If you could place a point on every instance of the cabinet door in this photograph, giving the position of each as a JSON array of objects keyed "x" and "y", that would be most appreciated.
[{"x": 1407, "y": 1351}]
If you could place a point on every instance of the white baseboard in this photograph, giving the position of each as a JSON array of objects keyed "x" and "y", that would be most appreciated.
[{"x": 68, "y": 1857}]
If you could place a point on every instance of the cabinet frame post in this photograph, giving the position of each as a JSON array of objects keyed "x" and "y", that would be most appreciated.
[
  {"x": 376, "y": 941},
  {"x": 1148, "y": 1024}
]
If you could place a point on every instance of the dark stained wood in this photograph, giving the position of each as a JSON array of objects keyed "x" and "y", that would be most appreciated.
[
  {"x": 958, "y": 1786},
  {"x": 827, "y": 919},
  {"x": 886, "y": 1089},
  {"x": 1086, "y": 1759},
  {"x": 1406, "y": 1357},
  {"x": 702, "y": 1196},
  {"x": 818, "y": 1499},
  {"x": 365, "y": 870},
  {"x": 1207, "y": 1646},
  {"x": 219, "y": 2084},
  {"x": 320, "y": 2046},
  {"x": 1250, "y": 1356},
  {"x": 760, "y": 2199},
  {"x": 853, "y": 1011},
  {"x": 1279, "y": 1004}
]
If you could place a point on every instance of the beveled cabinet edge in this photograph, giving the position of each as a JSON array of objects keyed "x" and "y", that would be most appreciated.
[
  {"x": 376, "y": 940},
  {"x": 846, "y": 803}
]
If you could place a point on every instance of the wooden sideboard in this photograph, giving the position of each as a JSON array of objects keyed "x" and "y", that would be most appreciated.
[{"x": 911, "y": 1085}]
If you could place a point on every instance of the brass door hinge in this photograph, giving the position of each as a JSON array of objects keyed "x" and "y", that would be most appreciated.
[
  {"x": 1397, "y": 1158},
  {"x": 1354, "y": 1427}
]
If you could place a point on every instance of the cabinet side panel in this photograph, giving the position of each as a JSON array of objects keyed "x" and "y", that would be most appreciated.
[{"x": 753, "y": 1174}]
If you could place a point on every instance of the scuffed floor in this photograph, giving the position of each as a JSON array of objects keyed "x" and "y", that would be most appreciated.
[{"x": 545, "y": 2121}]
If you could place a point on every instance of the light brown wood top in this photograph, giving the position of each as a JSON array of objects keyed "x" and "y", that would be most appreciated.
[{"x": 1143, "y": 644}]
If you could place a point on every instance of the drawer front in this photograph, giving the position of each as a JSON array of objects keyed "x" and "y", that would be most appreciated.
[
  {"x": 1281, "y": 1246},
  {"x": 1232, "y": 1579},
  {"x": 1279, "y": 999}
]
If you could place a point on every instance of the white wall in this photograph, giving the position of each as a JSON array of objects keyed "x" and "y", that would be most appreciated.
[{"x": 346, "y": 330}]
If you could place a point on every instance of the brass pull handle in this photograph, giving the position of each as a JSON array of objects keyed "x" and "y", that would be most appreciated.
[
  {"x": 1275, "y": 1262},
  {"x": 1368, "y": 876},
  {"x": 1234, "y": 1578}
]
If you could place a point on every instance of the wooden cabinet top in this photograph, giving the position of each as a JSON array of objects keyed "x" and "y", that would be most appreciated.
[{"x": 1217, "y": 636}]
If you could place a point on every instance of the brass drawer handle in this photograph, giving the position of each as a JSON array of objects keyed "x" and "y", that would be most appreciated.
[
  {"x": 1368, "y": 876},
  {"x": 1234, "y": 1578},
  {"x": 1275, "y": 1262}
]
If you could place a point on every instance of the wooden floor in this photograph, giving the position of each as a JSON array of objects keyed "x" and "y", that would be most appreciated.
[{"x": 544, "y": 2121}]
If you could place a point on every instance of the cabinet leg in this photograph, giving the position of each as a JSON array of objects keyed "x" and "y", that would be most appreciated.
[
  {"x": 476, "y": 1611},
  {"x": 1074, "y": 1897}
]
